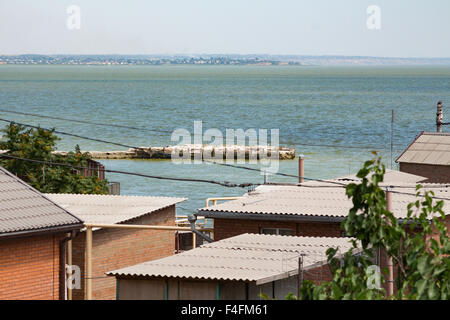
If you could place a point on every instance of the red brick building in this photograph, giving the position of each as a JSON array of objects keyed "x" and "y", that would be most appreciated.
[
  {"x": 33, "y": 235},
  {"x": 428, "y": 156},
  {"x": 118, "y": 248},
  {"x": 315, "y": 209}
]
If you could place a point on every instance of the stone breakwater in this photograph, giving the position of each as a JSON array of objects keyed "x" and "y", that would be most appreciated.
[{"x": 195, "y": 151}]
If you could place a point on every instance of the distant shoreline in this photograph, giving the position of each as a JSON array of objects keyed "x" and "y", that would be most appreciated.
[{"x": 209, "y": 60}]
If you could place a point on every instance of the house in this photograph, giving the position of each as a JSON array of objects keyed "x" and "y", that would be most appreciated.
[
  {"x": 312, "y": 209},
  {"x": 240, "y": 267},
  {"x": 118, "y": 248},
  {"x": 429, "y": 156},
  {"x": 33, "y": 237}
]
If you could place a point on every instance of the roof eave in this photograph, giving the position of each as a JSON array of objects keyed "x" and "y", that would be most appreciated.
[
  {"x": 275, "y": 217},
  {"x": 42, "y": 231},
  {"x": 268, "y": 216},
  {"x": 409, "y": 146}
]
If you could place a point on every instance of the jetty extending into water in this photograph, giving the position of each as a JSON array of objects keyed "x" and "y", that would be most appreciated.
[{"x": 197, "y": 152}]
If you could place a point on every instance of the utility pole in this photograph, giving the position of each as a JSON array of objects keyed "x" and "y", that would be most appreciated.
[
  {"x": 300, "y": 273},
  {"x": 301, "y": 168},
  {"x": 439, "y": 117},
  {"x": 392, "y": 136},
  {"x": 390, "y": 266}
]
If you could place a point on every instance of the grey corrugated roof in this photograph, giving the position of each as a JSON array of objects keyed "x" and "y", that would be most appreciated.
[
  {"x": 23, "y": 208},
  {"x": 111, "y": 209},
  {"x": 315, "y": 199},
  {"x": 428, "y": 148},
  {"x": 247, "y": 257},
  {"x": 391, "y": 177}
]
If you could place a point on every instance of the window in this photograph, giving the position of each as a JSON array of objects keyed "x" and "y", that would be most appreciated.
[{"x": 276, "y": 231}]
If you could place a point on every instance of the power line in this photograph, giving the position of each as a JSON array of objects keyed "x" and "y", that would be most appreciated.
[
  {"x": 217, "y": 163},
  {"x": 170, "y": 132},
  {"x": 134, "y": 147},
  {"x": 337, "y": 183},
  {"x": 224, "y": 184},
  {"x": 343, "y": 147},
  {"x": 420, "y": 195},
  {"x": 275, "y": 173},
  {"x": 84, "y": 121},
  {"x": 70, "y": 134}
]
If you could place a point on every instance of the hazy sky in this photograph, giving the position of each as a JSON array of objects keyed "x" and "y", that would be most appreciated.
[{"x": 409, "y": 28}]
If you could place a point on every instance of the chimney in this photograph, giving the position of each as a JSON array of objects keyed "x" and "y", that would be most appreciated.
[
  {"x": 439, "y": 117},
  {"x": 301, "y": 168}
]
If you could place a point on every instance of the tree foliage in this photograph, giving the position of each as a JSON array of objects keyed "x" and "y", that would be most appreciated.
[
  {"x": 418, "y": 245},
  {"x": 39, "y": 144}
]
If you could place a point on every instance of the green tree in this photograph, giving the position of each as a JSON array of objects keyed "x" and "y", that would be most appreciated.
[
  {"x": 419, "y": 246},
  {"x": 39, "y": 144}
]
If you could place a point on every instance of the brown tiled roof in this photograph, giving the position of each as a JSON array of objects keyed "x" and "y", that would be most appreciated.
[
  {"x": 24, "y": 209},
  {"x": 247, "y": 257}
]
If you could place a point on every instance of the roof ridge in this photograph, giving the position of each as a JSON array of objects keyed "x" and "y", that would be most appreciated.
[{"x": 113, "y": 195}]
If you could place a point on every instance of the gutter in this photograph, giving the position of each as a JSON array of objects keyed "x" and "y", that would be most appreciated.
[
  {"x": 268, "y": 216},
  {"x": 274, "y": 217},
  {"x": 43, "y": 231}
]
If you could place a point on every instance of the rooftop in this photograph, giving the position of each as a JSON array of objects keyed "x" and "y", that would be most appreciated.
[
  {"x": 247, "y": 257},
  {"x": 23, "y": 209},
  {"x": 428, "y": 148},
  {"x": 316, "y": 200},
  {"x": 111, "y": 209}
]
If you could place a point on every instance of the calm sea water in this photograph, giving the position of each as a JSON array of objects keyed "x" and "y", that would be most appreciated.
[{"x": 342, "y": 106}]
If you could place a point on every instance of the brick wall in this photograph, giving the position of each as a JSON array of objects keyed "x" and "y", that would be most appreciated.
[
  {"x": 226, "y": 228},
  {"x": 118, "y": 248},
  {"x": 319, "y": 274},
  {"x": 434, "y": 173},
  {"x": 29, "y": 268},
  {"x": 319, "y": 229}
]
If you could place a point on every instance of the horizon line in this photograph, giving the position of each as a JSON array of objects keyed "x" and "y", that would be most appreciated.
[{"x": 225, "y": 54}]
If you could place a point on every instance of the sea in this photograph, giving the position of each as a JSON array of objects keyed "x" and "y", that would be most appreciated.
[{"x": 334, "y": 116}]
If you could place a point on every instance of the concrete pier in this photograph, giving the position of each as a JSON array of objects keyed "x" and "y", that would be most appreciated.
[{"x": 208, "y": 152}]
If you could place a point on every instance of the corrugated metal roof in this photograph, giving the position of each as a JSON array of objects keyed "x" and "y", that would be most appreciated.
[
  {"x": 23, "y": 208},
  {"x": 247, "y": 257},
  {"x": 428, "y": 148},
  {"x": 315, "y": 199},
  {"x": 111, "y": 209}
]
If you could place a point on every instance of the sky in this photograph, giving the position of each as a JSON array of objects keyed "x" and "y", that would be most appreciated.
[{"x": 407, "y": 28}]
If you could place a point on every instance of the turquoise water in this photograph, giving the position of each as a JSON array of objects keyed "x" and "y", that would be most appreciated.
[{"x": 343, "y": 106}]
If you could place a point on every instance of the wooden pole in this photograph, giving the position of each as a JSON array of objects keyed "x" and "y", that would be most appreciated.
[
  {"x": 301, "y": 168},
  {"x": 194, "y": 240},
  {"x": 300, "y": 274},
  {"x": 69, "y": 262},
  {"x": 439, "y": 117},
  {"x": 88, "y": 263},
  {"x": 88, "y": 274},
  {"x": 390, "y": 266}
]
